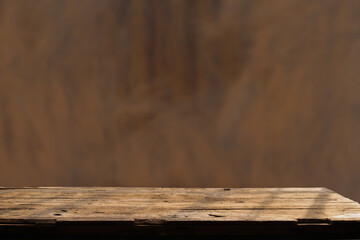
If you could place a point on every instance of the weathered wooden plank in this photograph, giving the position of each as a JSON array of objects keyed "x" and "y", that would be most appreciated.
[{"x": 202, "y": 211}]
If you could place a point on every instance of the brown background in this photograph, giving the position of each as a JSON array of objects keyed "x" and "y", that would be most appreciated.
[{"x": 180, "y": 93}]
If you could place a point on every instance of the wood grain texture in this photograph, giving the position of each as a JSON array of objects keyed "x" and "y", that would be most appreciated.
[
  {"x": 180, "y": 211},
  {"x": 180, "y": 93}
]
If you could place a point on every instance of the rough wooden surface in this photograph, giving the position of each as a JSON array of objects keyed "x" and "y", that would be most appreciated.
[{"x": 178, "y": 211}]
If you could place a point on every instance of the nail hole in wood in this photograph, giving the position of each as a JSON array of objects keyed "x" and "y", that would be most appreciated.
[{"x": 227, "y": 189}]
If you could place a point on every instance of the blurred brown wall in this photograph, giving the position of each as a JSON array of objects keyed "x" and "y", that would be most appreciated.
[{"x": 180, "y": 93}]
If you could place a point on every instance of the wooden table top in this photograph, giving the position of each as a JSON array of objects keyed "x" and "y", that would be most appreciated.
[{"x": 177, "y": 211}]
